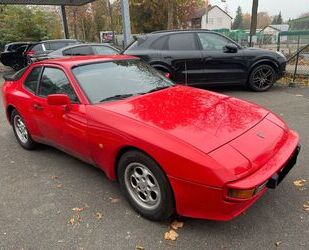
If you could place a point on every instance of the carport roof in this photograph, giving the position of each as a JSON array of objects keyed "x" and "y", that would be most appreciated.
[{"x": 47, "y": 2}]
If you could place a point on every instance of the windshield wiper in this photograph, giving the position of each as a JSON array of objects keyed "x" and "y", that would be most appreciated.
[{"x": 116, "y": 97}]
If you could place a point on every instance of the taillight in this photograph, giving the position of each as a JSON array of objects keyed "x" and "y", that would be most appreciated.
[{"x": 167, "y": 75}]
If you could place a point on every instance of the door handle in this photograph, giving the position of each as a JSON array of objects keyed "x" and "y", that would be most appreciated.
[
  {"x": 209, "y": 58},
  {"x": 167, "y": 57},
  {"x": 37, "y": 106}
]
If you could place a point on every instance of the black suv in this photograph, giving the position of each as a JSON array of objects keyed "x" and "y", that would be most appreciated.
[
  {"x": 13, "y": 55},
  {"x": 198, "y": 57}
]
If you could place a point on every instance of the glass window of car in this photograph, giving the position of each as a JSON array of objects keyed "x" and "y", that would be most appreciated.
[
  {"x": 31, "y": 82},
  {"x": 103, "y": 50},
  {"x": 105, "y": 80},
  {"x": 213, "y": 42},
  {"x": 160, "y": 43},
  {"x": 182, "y": 41},
  {"x": 54, "y": 81},
  {"x": 38, "y": 48},
  {"x": 78, "y": 51}
]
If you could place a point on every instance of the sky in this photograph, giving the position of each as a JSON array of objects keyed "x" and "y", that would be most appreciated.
[{"x": 288, "y": 8}]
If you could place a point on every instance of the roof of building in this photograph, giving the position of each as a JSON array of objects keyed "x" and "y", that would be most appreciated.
[
  {"x": 202, "y": 11},
  {"x": 278, "y": 27}
]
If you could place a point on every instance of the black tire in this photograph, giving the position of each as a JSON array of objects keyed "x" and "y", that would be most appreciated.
[
  {"x": 262, "y": 78},
  {"x": 25, "y": 142},
  {"x": 164, "y": 207}
]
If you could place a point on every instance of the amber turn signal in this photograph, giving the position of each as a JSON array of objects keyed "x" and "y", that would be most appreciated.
[{"x": 241, "y": 193}]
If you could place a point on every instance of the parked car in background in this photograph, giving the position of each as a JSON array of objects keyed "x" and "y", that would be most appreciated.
[
  {"x": 13, "y": 55},
  {"x": 43, "y": 48},
  {"x": 172, "y": 148},
  {"x": 205, "y": 57},
  {"x": 84, "y": 50}
]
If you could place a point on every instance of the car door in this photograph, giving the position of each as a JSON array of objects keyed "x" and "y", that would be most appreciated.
[
  {"x": 183, "y": 54},
  {"x": 220, "y": 66},
  {"x": 63, "y": 127}
]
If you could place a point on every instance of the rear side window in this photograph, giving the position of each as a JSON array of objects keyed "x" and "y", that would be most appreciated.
[
  {"x": 78, "y": 51},
  {"x": 37, "y": 48},
  {"x": 160, "y": 44},
  {"x": 103, "y": 50},
  {"x": 54, "y": 81},
  {"x": 183, "y": 41},
  {"x": 32, "y": 79}
]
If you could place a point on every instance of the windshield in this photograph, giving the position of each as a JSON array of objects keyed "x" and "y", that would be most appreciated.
[{"x": 106, "y": 81}]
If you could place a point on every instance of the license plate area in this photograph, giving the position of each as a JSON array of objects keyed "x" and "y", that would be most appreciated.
[{"x": 275, "y": 180}]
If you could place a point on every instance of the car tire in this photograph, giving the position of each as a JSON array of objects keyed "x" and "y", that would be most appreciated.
[
  {"x": 262, "y": 78},
  {"x": 21, "y": 132},
  {"x": 145, "y": 186}
]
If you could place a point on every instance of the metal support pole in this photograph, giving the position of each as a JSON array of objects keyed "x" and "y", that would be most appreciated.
[
  {"x": 297, "y": 59},
  {"x": 255, "y": 5},
  {"x": 64, "y": 22},
  {"x": 278, "y": 41},
  {"x": 126, "y": 23}
]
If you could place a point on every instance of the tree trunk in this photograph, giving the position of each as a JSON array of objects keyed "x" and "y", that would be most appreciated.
[{"x": 170, "y": 15}]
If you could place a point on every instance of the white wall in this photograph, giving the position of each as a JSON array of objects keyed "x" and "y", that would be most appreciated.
[{"x": 216, "y": 20}]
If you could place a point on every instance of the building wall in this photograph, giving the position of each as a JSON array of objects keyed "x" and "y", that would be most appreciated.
[{"x": 216, "y": 20}]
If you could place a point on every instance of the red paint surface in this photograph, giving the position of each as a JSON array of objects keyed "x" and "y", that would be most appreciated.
[{"x": 205, "y": 142}]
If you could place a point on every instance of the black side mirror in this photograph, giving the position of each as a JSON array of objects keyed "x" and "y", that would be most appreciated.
[{"x": 230, "y": 48}]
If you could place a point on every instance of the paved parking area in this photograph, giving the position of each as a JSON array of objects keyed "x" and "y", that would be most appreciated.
[{"x": 39, "y": 189}]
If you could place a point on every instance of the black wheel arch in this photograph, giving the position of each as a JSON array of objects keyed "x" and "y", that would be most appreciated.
[
  {"x": 269, "y": 62},
  {"x": 9, "y": 110}
]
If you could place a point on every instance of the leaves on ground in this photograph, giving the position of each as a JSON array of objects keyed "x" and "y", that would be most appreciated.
[
  {"x": 75, "y": 219},
  {"x": 171, "y": 235},
  {"x": 59, "y": 186},
  {"x": 99, "y": 215},
  {"x": 114, "y": 200},
  {"x": 298, "y": 95},
  {"x": 306, "y": 206},
  {"x": 176, "y": 224},
  {"x": 278, "y": 243},
  {"x": 300, "y": 183},
  {"x": 54, "y": 177},
  {"x": 139, "y": 248}
]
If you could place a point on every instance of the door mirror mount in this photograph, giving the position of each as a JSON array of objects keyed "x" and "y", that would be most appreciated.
[
  {"x": 58, "y": 100},
  {"x": 230, "y": 48}
]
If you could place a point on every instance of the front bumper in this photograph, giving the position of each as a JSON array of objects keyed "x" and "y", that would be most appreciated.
[{"x": 205, "y": 202}]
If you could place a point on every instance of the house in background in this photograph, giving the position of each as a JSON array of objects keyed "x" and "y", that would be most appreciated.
[
  {"x": 217, "y": 19},
  {"x": 301, "y": 23},
  {"x": 273, "y": 31}
]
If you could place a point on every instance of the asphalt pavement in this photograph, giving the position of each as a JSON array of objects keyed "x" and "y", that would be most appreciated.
[{"x": 39, "y": 189}]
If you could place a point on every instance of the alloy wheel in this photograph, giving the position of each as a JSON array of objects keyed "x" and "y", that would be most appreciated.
[{"x": 142, "y": 186}]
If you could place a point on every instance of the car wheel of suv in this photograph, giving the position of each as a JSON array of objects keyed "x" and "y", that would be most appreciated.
[
  {"x": 21, "y": 132},
  {"x": 145, "y": 186},
  {"x": 262, "y": 78}
]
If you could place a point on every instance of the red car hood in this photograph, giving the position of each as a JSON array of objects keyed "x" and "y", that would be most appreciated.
[{"x": 204, "y": 119}]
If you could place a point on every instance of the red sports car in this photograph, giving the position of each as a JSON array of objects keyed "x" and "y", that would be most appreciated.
[{"x": 172, "y": 148}]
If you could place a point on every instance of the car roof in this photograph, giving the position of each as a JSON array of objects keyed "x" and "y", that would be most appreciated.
[
  {"x": 80, "y": 60},
  {"x": 179, "y": 31}
]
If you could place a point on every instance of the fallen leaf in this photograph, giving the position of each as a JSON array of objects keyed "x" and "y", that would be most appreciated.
[
  {"x": 59, "y": 186},
  {"x": 98, "y": 215},
  {"x": 72, "y": 221},
  {"x": 306, "y": 206},
  {"x": 54, "y": 177},
  {"x": 171, "y": 235},
  {"x": 278, "y": 243},
  {"x": 300, "y": 183},
  {"x": 139, "y": 248},
  {"x": 176, "y": 224},
  {"x": 77, "y": 209},
  {"x": 299, "y": 95},
  {"x": 114, "y": 200}
]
